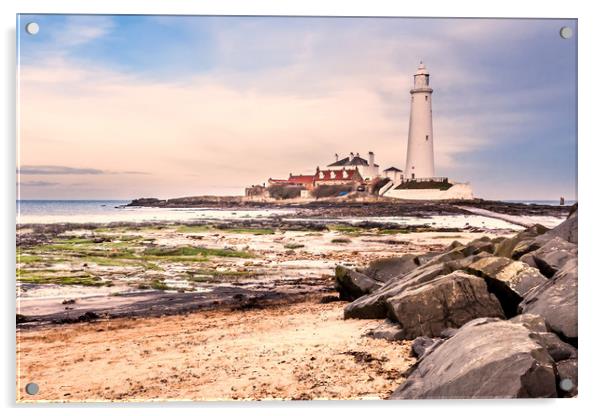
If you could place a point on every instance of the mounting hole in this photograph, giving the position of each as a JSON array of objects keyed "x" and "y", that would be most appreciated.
[
  {"x": 32, "y": 388},
  {"x": 566, "y": 32},
  {"x": 32, "y": 28},
  {"x": 566, "y": 384}
]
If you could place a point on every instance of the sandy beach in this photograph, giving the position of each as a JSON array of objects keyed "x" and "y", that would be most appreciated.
[{"x": 300, "y": 351}]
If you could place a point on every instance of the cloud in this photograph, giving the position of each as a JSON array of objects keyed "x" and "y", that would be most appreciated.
[
  {"x": 67, "y": 170},
  {"x": 56, "y": 170},
  {"x": 37, "y": 183},
  {"x": 79, "y": 30}
]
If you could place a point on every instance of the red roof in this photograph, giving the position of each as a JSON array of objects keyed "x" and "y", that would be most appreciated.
[{"x": 301, "y": 179}]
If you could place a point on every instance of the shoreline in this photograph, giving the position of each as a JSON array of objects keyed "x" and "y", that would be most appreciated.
[
  {"x": 288, "y": 259},
  {"x": 377, "y": 205}
]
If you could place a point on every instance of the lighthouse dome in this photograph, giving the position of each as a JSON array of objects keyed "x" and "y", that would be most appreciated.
[{"x": 422, "y": 69}]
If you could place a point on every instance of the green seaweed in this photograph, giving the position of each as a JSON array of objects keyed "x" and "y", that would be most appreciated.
[
  {"x": 28, "y": 259},
  {"x": 254, "y": 231},
  {"x": 81, "y": 280},
  {"x": 341, "y": 240},
  {"x": 194, "y": 228},
  {"x": 390, "y": 231},
  {"x": 196, "y": 251}
]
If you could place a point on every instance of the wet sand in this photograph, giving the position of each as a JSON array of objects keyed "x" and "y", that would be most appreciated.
[{"x": 300, "y": 351}]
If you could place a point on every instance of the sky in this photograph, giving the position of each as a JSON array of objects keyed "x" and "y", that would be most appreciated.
[{"x": 120, "y": 107}]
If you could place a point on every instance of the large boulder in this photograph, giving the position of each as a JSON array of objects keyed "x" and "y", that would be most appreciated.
[
  {"x": 506, "y": 247},
  {"x": 458, "y": 251},
  {"x": 534, "y": 322},
  {"x": 383, "y": 270},
  {"x": 567, "y": 230},
  {"x": 352, "y": 285},
  {"x": 509, "y": 280},
  {"x": 556, "y": 302},
  {"x": 550, "y": 257},
  {"x": 448, "y": 301},
  {"x": 486, "y": 358},
  {"x": 480, "y": 245},
  {"x": 372, "y": 306}
]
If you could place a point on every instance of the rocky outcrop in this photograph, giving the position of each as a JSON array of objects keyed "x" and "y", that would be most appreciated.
[
  {"x": 383, "y": 270},
  {"x": 529, "y": 279},
  {"x": 509, "y": 280},
  {"x": 567, "y": 230},
  {"x": 352, "y": 285},
  {"x": 486, "y": 358},
  {"x": 373, "y": 306},
  {"x": 556, "y": 302},
  {"x": 459, "y": 251},
  {"x": 448, "y": 301},
  {"x": 506, "y": 247},
  {"x": 551, "y": 256}
]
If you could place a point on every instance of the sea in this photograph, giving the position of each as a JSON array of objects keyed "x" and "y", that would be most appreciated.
[
  {"x": 113, "y": 210},
  {"x": 107, "y": 211}
]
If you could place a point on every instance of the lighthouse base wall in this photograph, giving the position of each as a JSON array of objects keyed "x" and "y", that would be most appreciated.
[{"x": 457, "y": 191}]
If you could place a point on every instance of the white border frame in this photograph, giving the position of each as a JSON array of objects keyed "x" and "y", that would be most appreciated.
[{"x": 589, "y": 183}]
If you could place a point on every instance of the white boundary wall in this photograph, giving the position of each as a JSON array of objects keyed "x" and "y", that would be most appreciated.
[{"x": 457, "y": 191}]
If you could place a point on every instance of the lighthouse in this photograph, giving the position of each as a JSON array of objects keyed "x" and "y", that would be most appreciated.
[{"x": 420, "y": 158}]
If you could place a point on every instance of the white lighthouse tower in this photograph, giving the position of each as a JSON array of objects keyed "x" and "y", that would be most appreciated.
[{"x": 420, "y": 158}]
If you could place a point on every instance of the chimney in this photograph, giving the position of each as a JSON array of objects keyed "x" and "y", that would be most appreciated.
[
  {"x": 371, "y": 159},
  {"x": 336, "y": 157},
  {"x": 350, "y": 155}
]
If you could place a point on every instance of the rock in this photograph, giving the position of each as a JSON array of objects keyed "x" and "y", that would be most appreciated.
[
  {"x": 505, "y": 247},
  {"x": 458, "y": 251},
  {"x": 509, "y": 280},
  {"x": 481, "y": 245},
  {"x": 550, "y": 257},
  {"x": 389, "y": 330},
  {"x": 420, "y": 345},
  {"x": 486, "y": 358},
  {"x": 448, "y": 301},
  {"x": 462, "y": 264},
  {"x": 558, "y": 349},
  {"x": 556, "y": 302},
  {"x": 352, "y": 285},
  {"x": 448, "y": 332},
  {"x": 567, "y": 230},
  {"x": 426, "y": 257},
  {"x": 534, "y": 322},
  {"x": 385, "y": 269},
  {"x": 567, "y": 370},
  {"x": 330, "y": 299},
  {"x": 373, "y": 306}
]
